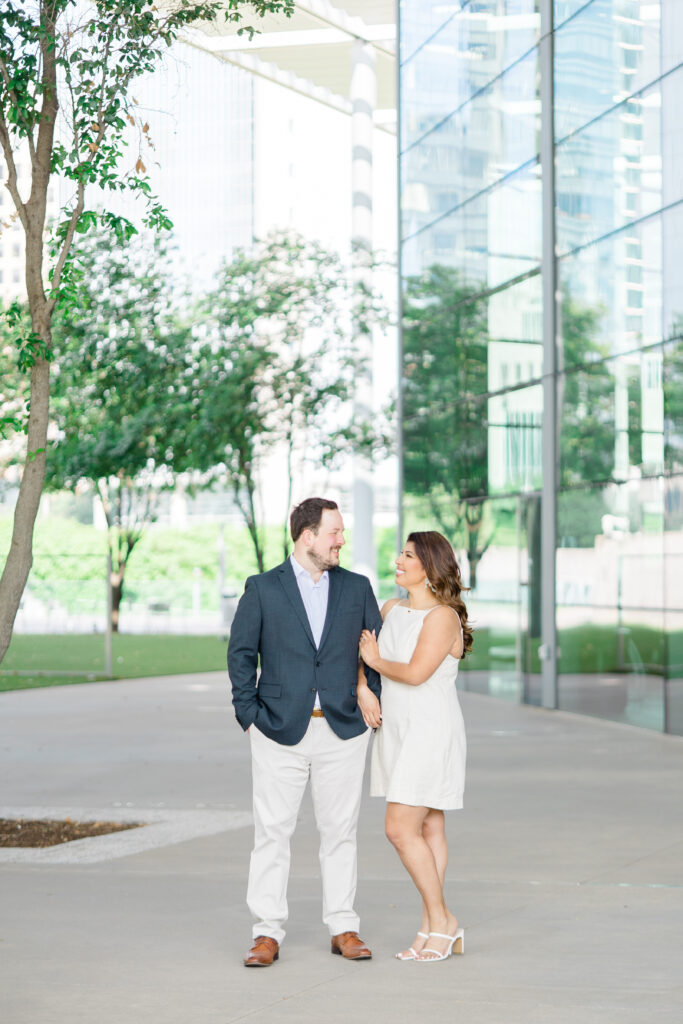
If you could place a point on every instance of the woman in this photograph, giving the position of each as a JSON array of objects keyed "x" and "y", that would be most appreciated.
[{"x": 418, "y": 757}]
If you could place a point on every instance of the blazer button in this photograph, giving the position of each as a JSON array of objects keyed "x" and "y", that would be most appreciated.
[
  {"x": 317, "y": 664},
  {"x": 313, "y": 689}
]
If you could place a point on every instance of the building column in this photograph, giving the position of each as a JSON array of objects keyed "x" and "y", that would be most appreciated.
[
  {"x": 363, "y": 101},
  {"x": 550, "y": 451}
]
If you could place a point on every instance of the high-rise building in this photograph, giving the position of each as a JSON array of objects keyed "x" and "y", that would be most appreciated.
[{"x": 541, "y": 253}]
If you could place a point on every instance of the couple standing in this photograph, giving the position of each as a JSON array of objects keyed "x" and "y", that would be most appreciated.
[{"x": 310, "y": 712}]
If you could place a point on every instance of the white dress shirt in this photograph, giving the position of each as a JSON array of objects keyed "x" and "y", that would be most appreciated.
[{"x": 314, "y": 596}]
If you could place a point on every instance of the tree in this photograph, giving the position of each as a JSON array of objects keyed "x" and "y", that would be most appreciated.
[
  {"x": 120, "y": 356},
  {"x": 276, "y": 367},
  {"x": 672, "y": 392},
  {"x": 445, "y": 428},
  {"x": 66, "y": 71},
  {"x": 445, "y": 402},
  {"x": 585, "y": 399}
]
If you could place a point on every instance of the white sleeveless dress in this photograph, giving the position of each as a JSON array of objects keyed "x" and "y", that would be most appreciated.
[{"x": 418, "y": 753}]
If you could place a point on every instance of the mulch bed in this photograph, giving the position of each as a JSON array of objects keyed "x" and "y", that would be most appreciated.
[{"x": 22, "y": 832}]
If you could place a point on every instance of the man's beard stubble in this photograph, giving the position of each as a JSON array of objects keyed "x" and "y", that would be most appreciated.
[{"x": 321, "y": 563}]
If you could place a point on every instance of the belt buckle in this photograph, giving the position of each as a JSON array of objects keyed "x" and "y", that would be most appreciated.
[{"x": 317, "y": 713}]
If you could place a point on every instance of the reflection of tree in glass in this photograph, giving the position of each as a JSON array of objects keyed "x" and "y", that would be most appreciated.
[
  {"x": 445, "y": 430},
  {"x": 585, "y": 399},
  {"x": 672, "y": 386},
  {"x": 634, "y": 388}
]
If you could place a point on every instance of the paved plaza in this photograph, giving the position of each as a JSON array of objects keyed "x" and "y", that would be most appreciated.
[{"x": 566, "y": 873}]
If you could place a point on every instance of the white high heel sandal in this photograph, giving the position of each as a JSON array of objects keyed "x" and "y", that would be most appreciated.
[
  {"x": 456, "y": 944},
  {"x": 411, "y": 953}
]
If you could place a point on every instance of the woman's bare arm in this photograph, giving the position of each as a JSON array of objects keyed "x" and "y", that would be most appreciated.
[{"x": 438, "y": 636}]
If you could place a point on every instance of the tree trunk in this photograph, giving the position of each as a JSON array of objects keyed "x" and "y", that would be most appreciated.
[
  {"x": 32, "y": 217},
  {"x": 473, "y": 558},
  {"x": 474, "y": 515},
  {"x": 290, "y": 490},
  {"x": 121, "y": 550},
  {"x": 20, "y": 557},
  {"x": 256, "y": 541},
  {"x": 116, "y": 595},
  {"x": 249, "y": 515}
]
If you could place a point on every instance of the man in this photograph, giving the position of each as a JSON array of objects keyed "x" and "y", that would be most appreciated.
[{"x": 304, "y": 619}]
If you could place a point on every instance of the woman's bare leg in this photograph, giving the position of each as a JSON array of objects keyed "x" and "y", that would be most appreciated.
[
  {"x": 425, "y": 861},
  {"x": 434, "y": 834}
]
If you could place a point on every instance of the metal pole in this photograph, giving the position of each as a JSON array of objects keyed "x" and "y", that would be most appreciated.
[
  {"x": 363, "y": 99},
  {"x": 108, "y": 632},
  {"x": 548, "y": 648}
]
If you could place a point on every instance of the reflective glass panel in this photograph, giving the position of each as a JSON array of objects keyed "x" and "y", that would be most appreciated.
[
  {"x": 505, "y": 604},
  {"x": 564, "y": 9},
  {"x": 673, "y": 599},
  {"x": 607, "y": 52},
  {"x": 610, "y": 603},
  {"x": 483, "y": 142},
  {"x": 491, "y": 239},
  {"x": 612, "y": 419},
  {"x": 672, "y": 387},
  {"x": 515, "y": 430},
  {"x": 624, "y": 292},
  {"x": 445, "y": 437},
  {"x": 461, "y": 58},
  {"x": 420, "y": 21},
  {"x": 613, "y": 171}
]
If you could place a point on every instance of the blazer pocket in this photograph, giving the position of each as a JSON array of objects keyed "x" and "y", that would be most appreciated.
[{"x": 270, "y": 689}]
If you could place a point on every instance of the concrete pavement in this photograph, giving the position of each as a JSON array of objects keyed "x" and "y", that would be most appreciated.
[{"x": 566, "y": 872}]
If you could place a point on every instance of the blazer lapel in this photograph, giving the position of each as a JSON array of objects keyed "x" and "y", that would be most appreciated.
[
  {"x": 291, "y": 589},
  {"x": 336, "y": 587}
]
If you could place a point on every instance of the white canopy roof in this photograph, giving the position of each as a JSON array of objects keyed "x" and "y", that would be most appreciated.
[{"x": 311, "y": 51}]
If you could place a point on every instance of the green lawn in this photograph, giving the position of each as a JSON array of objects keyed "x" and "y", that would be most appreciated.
[
  {"x": 80, "y": 659},
  {"x": 57, "y": 660}
]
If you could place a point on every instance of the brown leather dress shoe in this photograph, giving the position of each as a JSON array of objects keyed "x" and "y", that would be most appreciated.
[
  {"x": 351, "y": 946},
  {"x": 263, "y": 952}
]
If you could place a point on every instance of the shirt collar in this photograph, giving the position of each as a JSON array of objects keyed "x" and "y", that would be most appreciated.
[{"x": 300, "y": 572}]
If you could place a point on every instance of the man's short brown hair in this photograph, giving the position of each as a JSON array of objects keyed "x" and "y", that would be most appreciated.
[{"x": 308, "y": 514}]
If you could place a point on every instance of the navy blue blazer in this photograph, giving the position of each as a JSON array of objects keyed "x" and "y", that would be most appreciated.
[{"x": 271, "y": 624}]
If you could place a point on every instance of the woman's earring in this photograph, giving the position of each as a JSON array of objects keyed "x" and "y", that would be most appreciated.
[{"x": 428, "y": 586}]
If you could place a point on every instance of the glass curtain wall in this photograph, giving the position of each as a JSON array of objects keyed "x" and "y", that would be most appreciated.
[{"x": 475, "y": 254}]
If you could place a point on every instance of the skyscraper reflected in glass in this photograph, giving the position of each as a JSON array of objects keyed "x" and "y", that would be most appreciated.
[{"x": 489, "y": 377}]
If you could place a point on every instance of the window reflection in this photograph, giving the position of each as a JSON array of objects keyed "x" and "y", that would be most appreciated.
[
  {"x": 607, "y": 52},
  {"x": 610, "y": 603},
  {"x": 451, "y": 52},
  {"x": 492, "y": 238},
  {"x": 610, "y": 172},
  {"x": 472, "y": 249},
  {"x": 477, "y": 146},
  {"x": 631, "y": 281}
]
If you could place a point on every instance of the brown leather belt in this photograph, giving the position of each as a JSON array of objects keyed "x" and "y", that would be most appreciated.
[{"x": 317, "y": 713}]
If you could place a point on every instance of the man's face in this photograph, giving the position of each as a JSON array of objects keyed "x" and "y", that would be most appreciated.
[{"x": 328, "y": 541}]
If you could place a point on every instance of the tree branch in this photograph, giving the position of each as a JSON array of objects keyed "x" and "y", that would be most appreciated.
[
  {"x": 66, "y": 246},
  {"x": 42, "y": 155},
  {"x": 4, "y": 73},
  {"x": 103, "y": 492},
  {"x": 12, "y": 182}
]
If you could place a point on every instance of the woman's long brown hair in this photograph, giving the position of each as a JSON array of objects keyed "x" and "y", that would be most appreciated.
[{"x": 443, "y": 572}]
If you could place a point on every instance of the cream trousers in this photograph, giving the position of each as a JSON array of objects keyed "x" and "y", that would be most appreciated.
[{"x": 280, "y": 774}]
